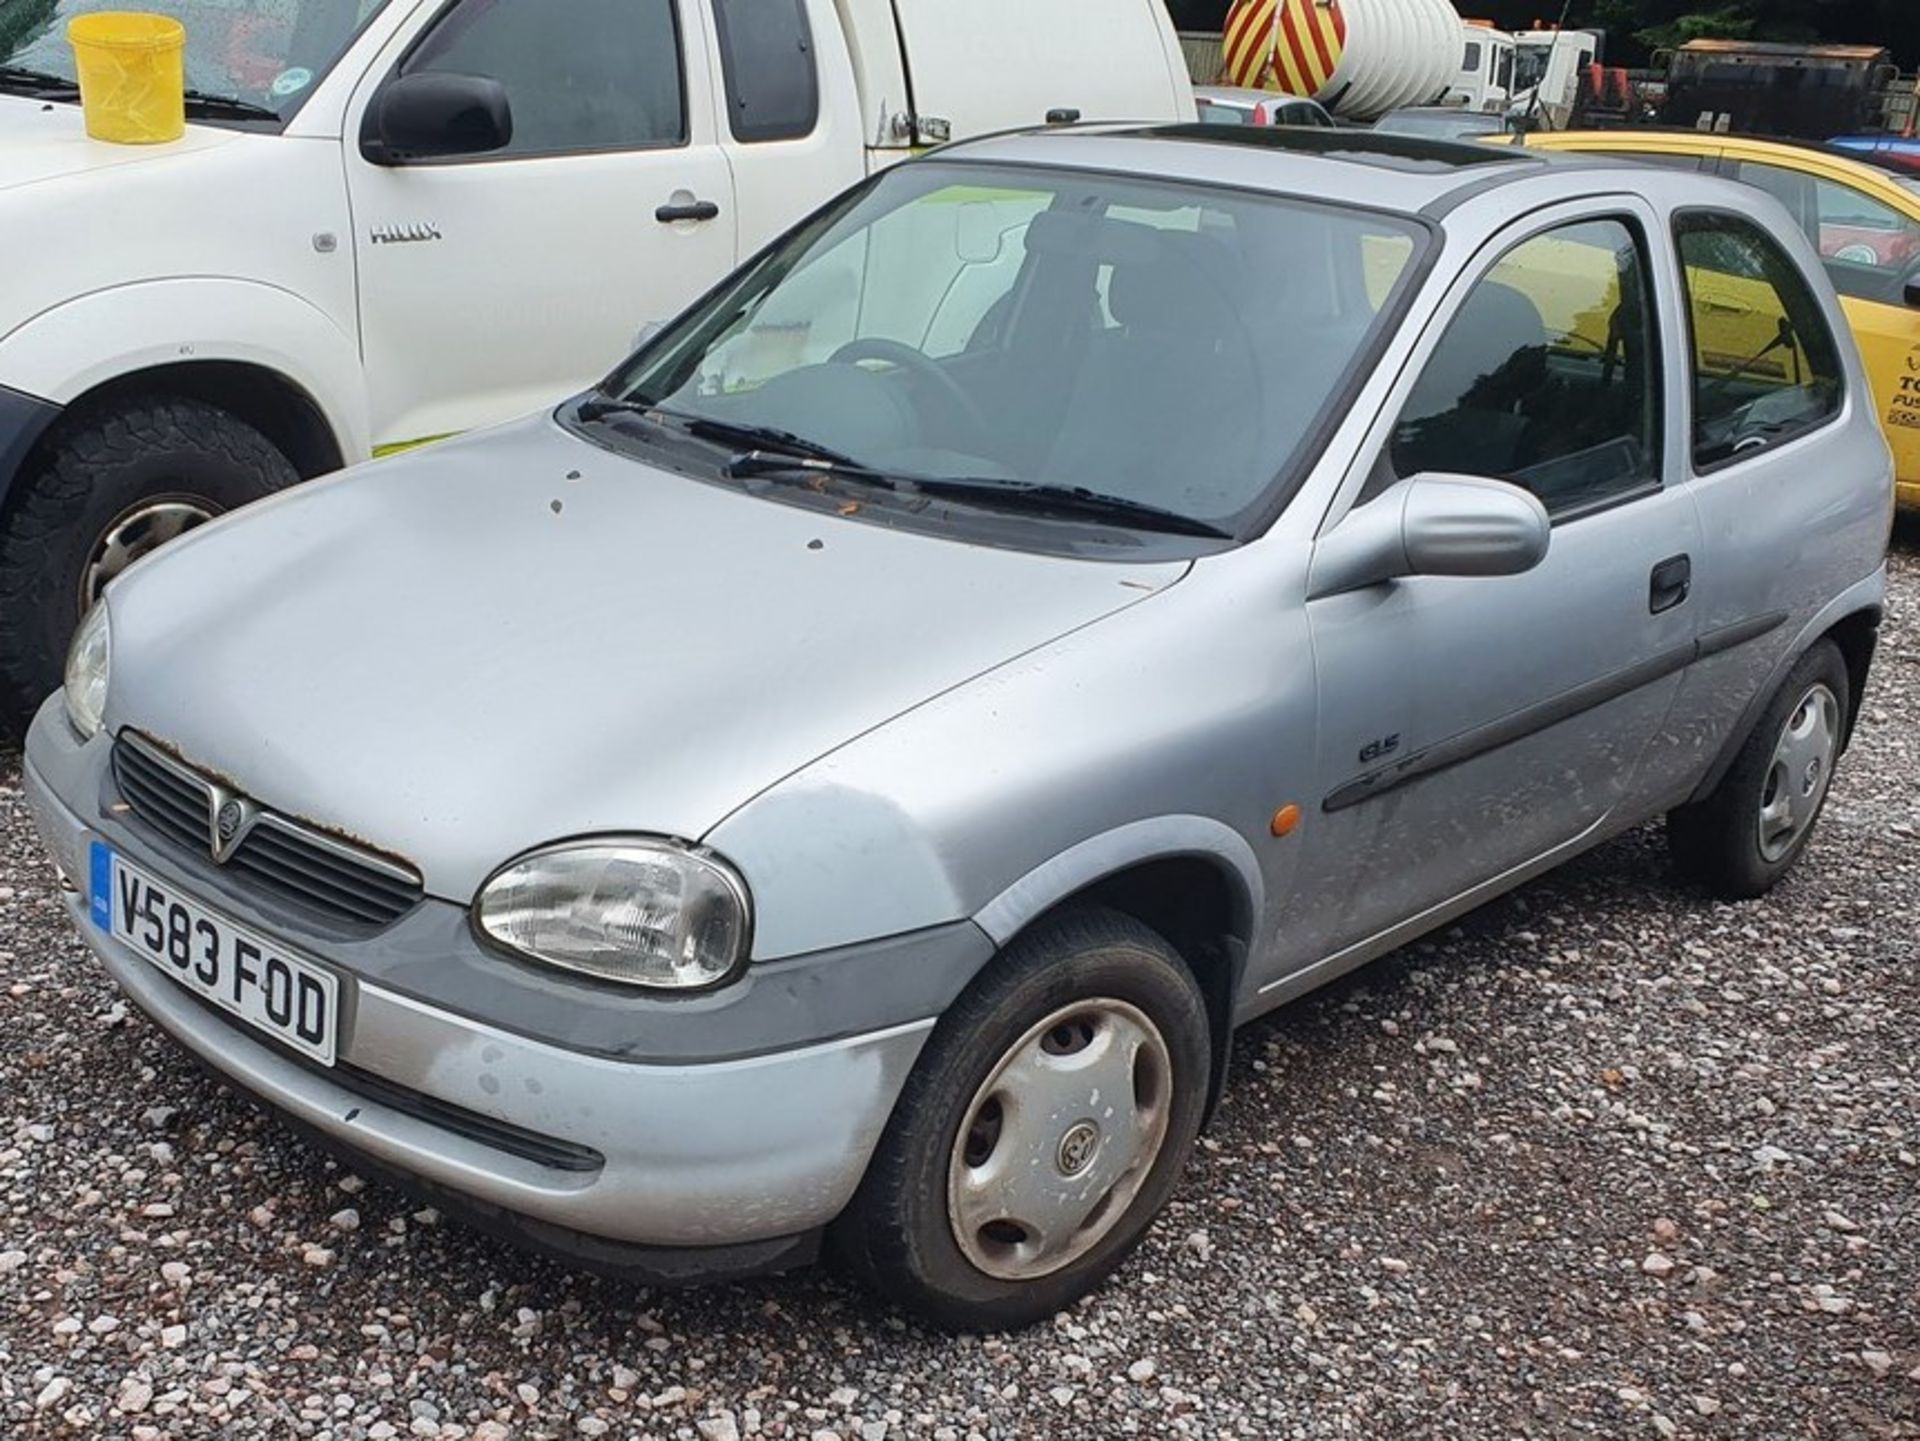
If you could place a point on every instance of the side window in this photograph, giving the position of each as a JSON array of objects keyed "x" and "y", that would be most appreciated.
[
  {"x": 773, "y": 85},
  {"x": 602, "y": 75},
  {"x": 1869, "y": 247},
  {"x": 1765, "y": 366},
  {"x": 1548, "y": 375},
  {"x": 1789, "y": 187},
  {"x": 1471, "y": 64}
]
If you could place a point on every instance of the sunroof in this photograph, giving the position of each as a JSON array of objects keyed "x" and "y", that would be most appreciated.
[{"x": 1411, "y": 153}]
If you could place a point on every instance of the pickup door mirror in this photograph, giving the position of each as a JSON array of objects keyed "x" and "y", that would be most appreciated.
[
  {"x": 430, "y": 115},
  {"x": 1433, "y": 525}
]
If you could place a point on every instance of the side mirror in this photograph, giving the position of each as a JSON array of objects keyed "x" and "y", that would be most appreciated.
[
  {"x": 1433, "y": 524},
  {"x": 1910, "y": 292},
  {"x": 429, "y": 115}
]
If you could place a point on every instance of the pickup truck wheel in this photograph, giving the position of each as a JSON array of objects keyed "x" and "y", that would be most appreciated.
[
  {"x": 1045, "y": 1124},
  {"x": 1746, "y": 835},
  {"x": 114, "y": 484}
]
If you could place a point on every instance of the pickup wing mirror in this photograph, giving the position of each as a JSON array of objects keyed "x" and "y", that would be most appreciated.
[
  {"x": 1433, "y": 524},
  {"x": 429, "y": 115}
]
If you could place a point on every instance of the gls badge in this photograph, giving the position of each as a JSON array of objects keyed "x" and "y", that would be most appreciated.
[{"x": 1376, "y": 750}]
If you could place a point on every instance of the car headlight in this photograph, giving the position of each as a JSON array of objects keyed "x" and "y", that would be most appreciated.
[
  {"x": 88, "y": 661},
  {"x": 639, "y": 911}
]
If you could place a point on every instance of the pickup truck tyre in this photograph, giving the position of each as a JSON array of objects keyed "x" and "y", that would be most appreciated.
[
  {"x": 1747, "y": 833},
  {"x": 1047, "y": 1120},
  {"x": 113, "y": 484}
]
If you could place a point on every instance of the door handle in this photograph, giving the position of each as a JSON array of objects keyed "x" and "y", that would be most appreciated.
[
  {"x": 1670, "y": 584},
  {"x": 690, "y": 210}
]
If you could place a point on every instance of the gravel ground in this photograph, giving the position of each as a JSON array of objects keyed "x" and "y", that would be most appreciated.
[{"x": 1607, "y": 1159}]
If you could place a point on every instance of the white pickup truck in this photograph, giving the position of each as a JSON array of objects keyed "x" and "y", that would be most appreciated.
[{"x": 391, "y": 220}]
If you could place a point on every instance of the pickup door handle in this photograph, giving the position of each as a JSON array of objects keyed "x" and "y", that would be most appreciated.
[
  {"x": 691, "y": 210},
  {"x": 1671, "y": 583}
]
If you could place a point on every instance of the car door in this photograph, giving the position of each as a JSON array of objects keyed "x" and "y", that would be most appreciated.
[
  {"x": 493, "y": 284},
  {"x": 1474, "y": 727},
  {"x": 1870, "y": 245}
]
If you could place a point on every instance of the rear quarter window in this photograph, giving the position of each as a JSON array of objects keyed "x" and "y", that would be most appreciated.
[
  {"x": 773, "y": 79},
  {"x": 1765, "y": 365}
]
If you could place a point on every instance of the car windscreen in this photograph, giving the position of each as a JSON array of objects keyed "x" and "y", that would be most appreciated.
[
  {"x": 245, "y": 59},
  {"x": 1163, "y": 344}
]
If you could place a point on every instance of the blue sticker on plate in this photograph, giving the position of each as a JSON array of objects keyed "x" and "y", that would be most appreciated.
[{"x": 102, "y": 866}]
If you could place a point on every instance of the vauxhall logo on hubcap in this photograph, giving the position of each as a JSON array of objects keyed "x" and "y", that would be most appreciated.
[{"x": 1077, "y": 1148}]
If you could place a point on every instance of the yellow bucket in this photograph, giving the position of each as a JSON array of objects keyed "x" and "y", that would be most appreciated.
[{"x": 132, "y": 76}]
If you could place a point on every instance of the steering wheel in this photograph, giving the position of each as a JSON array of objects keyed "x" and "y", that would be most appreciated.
[{"x": 905, "y": 357}]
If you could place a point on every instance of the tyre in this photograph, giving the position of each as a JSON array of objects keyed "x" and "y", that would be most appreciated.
[
  {"x": 1047, "y": 1120},
  {"x": 1749, "y": 831},
  {"x": 113, "y": 484}
]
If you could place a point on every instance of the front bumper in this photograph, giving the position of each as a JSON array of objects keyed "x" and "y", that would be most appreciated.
[{"x": 590, "y": 1154}]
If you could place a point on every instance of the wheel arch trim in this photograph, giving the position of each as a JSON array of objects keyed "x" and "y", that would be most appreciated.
[
  {"x": 159, "y": 324},
  {"x": 1867, "y": 598},
  {"x": 1161, "y": 838}
]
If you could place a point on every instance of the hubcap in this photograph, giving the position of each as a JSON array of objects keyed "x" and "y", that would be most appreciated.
[
  {"x": 137, "y": 532},
  {"x": 1059, "y": 1139},
  {"x": 1801, "y": 769}
]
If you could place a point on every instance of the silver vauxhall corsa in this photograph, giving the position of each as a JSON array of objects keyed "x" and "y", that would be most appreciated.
[{"x": 848, "y": 775}]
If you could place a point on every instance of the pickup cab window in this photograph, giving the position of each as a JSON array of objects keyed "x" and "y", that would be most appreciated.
[{"x": 608, "y": 78}]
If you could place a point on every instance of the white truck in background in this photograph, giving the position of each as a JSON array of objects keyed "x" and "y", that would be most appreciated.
[
  {"x": 391, "y": 220},
  {"x": 1531, "y": 75},
  {"x": 1362, "y": 59},
  {"x": 1549, "y": 66}
]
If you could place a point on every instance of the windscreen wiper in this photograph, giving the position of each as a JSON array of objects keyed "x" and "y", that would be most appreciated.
[
  {"x": 758, "y": 449},
  {"x": 765, "y": 448},
  {"x": 227, "y": 107},
  {"x": 1073, "y": 501},
  {"x": 38, "y": 84}
]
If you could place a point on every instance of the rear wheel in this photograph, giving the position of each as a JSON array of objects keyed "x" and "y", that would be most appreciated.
[
  {"x": 1745, "y": 836},
  {"x": 1047, "y": 1121},
  {"x": 113, "y": 485}
]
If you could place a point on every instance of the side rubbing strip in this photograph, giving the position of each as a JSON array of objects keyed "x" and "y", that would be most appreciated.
[
  {"x": 1729, "y": 636},
  {"x": 1518, "y": 725}
]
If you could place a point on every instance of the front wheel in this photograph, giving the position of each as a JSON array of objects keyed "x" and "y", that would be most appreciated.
[
  {"x": 113, "y": 485},
  {"x": 1746, "y": 835},
  {"x": 1045, "y": 1125}
]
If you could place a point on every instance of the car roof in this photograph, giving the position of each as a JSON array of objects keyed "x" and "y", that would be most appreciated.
[
  {"x": 1858, "y": 167},
  {"x": 1407, "y": 173}
]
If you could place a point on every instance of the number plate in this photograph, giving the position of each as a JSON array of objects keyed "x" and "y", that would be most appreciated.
[{"x": 294, "y": 1001}]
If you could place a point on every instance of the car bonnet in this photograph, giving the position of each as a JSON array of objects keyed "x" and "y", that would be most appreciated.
[{"x": 495, "y": 643}]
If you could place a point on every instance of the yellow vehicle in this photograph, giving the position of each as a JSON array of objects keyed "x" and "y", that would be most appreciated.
[{"x": 1865, "y": 222}]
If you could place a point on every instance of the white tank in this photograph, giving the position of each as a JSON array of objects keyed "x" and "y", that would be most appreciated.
[{"x": 1359, "y": 58}]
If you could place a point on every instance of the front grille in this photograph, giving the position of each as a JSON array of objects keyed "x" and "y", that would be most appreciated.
[{"x": 290, "y": 860}]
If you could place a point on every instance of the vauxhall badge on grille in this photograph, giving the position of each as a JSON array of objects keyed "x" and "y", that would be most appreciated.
[{"x": 233, "y": 816}]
